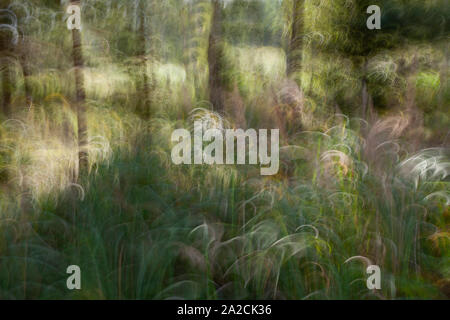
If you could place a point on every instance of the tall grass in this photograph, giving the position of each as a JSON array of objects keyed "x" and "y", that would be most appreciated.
[{"x": 141, "y": 228}]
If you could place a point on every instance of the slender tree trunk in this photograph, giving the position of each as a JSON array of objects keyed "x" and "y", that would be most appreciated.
[
  {"x": 413, "y": 112},
  {"x": 6, "y": 87},
  {"x": 365, "y": 96},
  {"x": 26, "y": 72},
  {"x": 295, "y": 46},
  {"x": 195, "y": 46},
  {"x": 444, "y": 76},
  {"x": 80, "y": 96},
  {"x": 186, "y": 11},
  {"x": 5, "y": 65},
  {"x": 215, "y": 58},
  {"x": 145, "y": 101},
  {"x": 293, "y": 94}
]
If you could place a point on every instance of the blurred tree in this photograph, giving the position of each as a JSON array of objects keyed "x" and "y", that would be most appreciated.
[
  {"x": 7, "y": 83},
  {"x": 353, "y": 39},
  {"x": 8, "y": 40},
  {"x": 296, "y": 30},
  {"x": 198, "y": 48},
  {"x": 22, "y": 50},
  {"x": 144, "y": 101},
  {"x": 78, "y": 63},
  {"x": 342, "y": 29},
  {"x": 216, "y": 57},
  {"x": 243, "y": 23}
]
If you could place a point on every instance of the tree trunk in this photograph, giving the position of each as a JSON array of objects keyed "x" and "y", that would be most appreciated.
[
  {"x": 5, "y": 65},
  {"x": 365, "y": 98},
  {"x": 80, "y": 96},
  {"x": 195, "y": 46},
  {"x": 215, "y": 59},
  {"x": 295, "y": 46},
  {"x": 26, "y": 72},
  {"x": 444, "y": 76},
  {"x": 365, "y": 95},
  {"x": 145, "y": 105},
  {"x": 6, "y": 87},
  {"x": 292, "y": 95}
]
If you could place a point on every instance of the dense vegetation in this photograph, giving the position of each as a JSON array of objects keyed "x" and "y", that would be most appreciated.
[{"x": 86, "y": 176}]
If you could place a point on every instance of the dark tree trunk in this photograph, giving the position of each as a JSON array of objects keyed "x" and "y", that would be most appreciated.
[
  {"x": 215, "y": 59},
  {"x": 5, "y": 65},
  {"x": 292, "y": 92},
  {"x": 26, "y": 72},
  {"x": 365, "y": 95},
  {"x": 6, "y": 87},
  {"x": 80, "y": 96},
  {"x": 444, "y": 76},
  {"x": 365, "y": 98},
  {"x": 145, "y": 94},
  {"x": 295, "y": 46}
]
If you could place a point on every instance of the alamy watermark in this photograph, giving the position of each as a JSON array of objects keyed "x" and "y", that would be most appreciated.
[
  {"x": 74, "y": 19},
  {"x": 374, "y": 281},
  {"x": 374, "y": 21},
  {"x": 74, "y": 280},
  {"x": 227, "y": 146}
]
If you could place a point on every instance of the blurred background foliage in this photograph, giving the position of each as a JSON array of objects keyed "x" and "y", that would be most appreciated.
[{"x": 364, "y": 175}]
